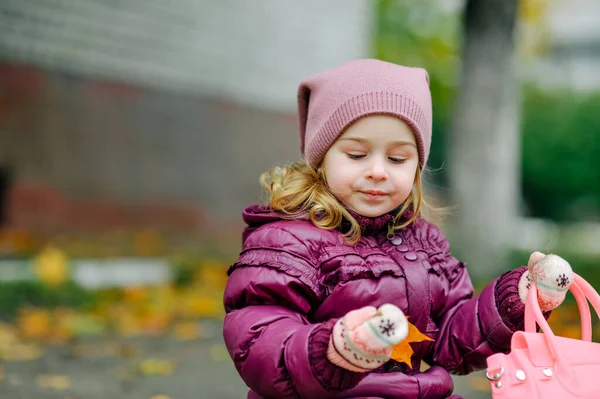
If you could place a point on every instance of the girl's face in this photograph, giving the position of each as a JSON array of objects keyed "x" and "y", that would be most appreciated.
[{"x": 371, "y": 167}]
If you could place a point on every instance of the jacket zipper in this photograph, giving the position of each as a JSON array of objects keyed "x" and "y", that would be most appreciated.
[{"x": 391, "y": 233}]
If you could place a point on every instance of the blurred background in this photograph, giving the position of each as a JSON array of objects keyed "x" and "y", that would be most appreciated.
[{"x": 132, "y": 134}]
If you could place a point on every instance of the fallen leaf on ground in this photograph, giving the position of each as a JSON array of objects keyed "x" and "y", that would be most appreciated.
[
  {"x": 156, "y": 367},
  {"x": 127, "y": 351},
  {"x": 54, "y": 381},
  {"x": 197, "y": 305},
  {"x": 186, "y": 331},
  {"x": 7, "y": 333},
  {"x": 20, "y": 352},
  {"x": 34, "y": 323}
]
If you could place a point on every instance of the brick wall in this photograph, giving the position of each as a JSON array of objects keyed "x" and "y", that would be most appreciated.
[
  {"x": 87, "y": 141},
  {"x": 143, "y": 102}
]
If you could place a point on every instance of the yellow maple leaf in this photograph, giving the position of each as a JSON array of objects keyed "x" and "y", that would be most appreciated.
[{"x": 402, "y": 352}]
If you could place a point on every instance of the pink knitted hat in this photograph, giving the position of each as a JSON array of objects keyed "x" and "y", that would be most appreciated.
[{"x": 329, "y": 101}]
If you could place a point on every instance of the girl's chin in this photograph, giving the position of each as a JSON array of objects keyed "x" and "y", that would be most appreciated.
[{"x": 370, "y": 212}]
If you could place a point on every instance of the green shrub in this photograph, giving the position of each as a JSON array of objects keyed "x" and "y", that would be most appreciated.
[
  {"x": 17, "y": 294},
  {"x": 561, "y": 154}
]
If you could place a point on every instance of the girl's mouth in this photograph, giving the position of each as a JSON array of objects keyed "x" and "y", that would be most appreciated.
[{"x": 374, "y": 193}]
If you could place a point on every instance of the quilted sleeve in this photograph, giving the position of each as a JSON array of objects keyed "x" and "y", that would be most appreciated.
[
  {"x": 471, "y": 327},
  {"x": 277, "y": 351}
]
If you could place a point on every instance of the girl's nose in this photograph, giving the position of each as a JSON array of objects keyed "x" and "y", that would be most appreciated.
[{"x": 376, "y": 169}]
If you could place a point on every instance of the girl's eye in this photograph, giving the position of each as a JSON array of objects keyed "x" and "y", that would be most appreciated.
[
  {"x": 397, "y": 160},
  {"x": 355, "y": 156}
]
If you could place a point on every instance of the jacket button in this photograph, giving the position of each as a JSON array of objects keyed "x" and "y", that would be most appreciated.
[
  {"x": 397, "y": 240},
  {"x": 410, "y": 256},
  {"x": 402, "y": 248}
]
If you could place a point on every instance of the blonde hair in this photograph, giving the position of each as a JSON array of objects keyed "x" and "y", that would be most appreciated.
[{"x": 298, "y": 189}]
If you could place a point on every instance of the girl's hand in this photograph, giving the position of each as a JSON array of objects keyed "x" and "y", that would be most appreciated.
[
  {"x": 362, "y": 340},
  {"x": 552, "y": 275}
]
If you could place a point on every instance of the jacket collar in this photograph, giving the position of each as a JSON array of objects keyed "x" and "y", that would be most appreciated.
[
  {"x": 372, "y": 224},
  {"x": 256, "y": 215},
  {"x": 375, "y": 224}
]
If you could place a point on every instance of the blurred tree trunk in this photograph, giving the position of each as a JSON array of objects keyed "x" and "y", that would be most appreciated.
[{"x": 484, "y": 145}]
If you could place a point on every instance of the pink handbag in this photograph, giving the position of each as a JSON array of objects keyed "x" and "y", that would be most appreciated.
[{"x": 544, "y": 366}]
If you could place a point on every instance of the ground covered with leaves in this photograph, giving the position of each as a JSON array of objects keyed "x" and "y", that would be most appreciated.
[
  {"x": 161, "y": 341},
  {"x": 141, "y": 367},
  {"x": 58, "y": 340}
]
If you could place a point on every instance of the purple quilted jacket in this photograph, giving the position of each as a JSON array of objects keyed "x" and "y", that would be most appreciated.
[{"x": 293, "y": 281}]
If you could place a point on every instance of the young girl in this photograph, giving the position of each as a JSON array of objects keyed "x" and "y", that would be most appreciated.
[{"x": 333, "y": 267}]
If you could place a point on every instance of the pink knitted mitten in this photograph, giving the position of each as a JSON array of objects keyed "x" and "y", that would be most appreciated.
[
  {"x": 552, "y": 275},
  {"x": 362, "y": 340}
]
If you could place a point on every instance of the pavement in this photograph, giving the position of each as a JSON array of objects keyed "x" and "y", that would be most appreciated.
[{"x": 145, "y": 368}]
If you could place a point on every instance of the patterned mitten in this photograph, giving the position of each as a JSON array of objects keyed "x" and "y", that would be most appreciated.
[
  {"x": 553, "y": 277},
  {"x": 362, "y": 340}
]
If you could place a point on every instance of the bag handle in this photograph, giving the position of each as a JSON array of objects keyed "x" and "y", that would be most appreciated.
[{"x": 582, "y": 291}]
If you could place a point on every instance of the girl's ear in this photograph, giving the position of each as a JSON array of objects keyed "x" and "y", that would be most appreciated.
[{"x": 535, "y": 258}]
